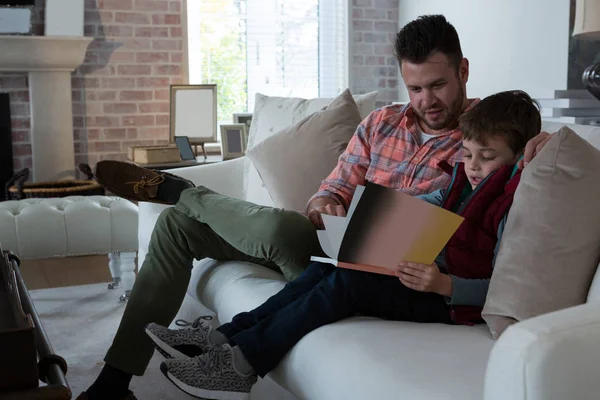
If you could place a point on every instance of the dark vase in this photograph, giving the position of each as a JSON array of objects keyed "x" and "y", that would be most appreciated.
[{"x": 591, "y": 79}]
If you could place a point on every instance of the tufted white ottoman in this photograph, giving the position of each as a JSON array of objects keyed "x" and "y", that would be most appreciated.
[{"x": 75, "y": 226}]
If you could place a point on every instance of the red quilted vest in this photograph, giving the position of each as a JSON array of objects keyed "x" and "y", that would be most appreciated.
[{"x": 470, "y": 252}]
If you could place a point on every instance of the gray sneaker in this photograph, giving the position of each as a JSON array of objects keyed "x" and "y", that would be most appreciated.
[
  {"x": 210, "y": 376},
  {"x": 181, "y": 343}
]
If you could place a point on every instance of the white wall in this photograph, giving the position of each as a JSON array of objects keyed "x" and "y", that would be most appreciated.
[{"x": 510, "y": 44}]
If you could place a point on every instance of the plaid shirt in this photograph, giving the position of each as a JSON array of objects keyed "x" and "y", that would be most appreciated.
[{"x": 385, "y": 150}]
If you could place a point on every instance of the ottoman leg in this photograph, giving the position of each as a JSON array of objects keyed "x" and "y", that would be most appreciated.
[
  {"x": 115, "y": 269},
  {"x": 127, "y": 273}
]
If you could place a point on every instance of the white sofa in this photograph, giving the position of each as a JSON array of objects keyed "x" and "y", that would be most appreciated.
[{"x": 550, "y": 357}]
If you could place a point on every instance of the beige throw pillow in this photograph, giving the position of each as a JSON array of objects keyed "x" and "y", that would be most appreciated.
[
  {"x": 293, "y": 162},
  {"x": 273, "y": 114},
  {"x": 551, "y": 244}
]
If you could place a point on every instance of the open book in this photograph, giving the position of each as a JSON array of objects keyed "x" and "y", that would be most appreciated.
[{"x": 384, "y": 227}]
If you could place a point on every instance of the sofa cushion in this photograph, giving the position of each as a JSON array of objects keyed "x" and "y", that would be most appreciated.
[
  {"x": 293, "y": 163},
  {"x": 273, "y": 114},
  {"x": 213, "y": 283},
  {"x": 551, "y": 244},
  {"x": 366, "y": 358},
  {"x": 590, "y": 133},
  {"x": 358, "y": 358}
]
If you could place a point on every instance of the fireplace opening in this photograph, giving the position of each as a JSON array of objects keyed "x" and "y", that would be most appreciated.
[{"x": 6, "y": 154}]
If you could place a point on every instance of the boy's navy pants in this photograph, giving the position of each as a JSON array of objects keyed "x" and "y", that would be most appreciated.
[{"x": 324, "y": 294}]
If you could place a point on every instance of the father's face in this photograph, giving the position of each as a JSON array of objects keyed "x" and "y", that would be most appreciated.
[{"x": 436, "y": 90}]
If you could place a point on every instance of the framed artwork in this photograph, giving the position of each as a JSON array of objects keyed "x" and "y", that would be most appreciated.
[
  {"x": 193, "y": 113},
  {"x": 243, "y": 118},
  {"x": 233, "y": 141}
]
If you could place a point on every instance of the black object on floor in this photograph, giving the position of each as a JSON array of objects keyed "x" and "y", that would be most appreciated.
[
  {"x": 6, "y": 154},
  {"x": 30, "y": 344}
]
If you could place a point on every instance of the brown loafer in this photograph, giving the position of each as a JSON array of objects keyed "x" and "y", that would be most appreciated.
[
  {"x": 140, "y": 184},
  {"x": 128, "y": 396}
]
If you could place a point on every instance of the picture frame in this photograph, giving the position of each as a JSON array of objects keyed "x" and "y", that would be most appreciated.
[
  {"x": 243, "y": 118},
  {"x": 233, "y": 141},
  {"x": 193, "y": 113}
]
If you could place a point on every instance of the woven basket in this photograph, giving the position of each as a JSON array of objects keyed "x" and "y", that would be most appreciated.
[{"x": 17, "y": 189}]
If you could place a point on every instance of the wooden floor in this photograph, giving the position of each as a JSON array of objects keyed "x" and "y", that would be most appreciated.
[{"x": 70, "y": 271}]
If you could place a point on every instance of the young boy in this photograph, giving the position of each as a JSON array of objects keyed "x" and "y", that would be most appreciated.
[{"x": 451, "y": 291}]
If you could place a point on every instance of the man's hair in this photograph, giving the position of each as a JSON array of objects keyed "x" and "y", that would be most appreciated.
[
  {"x": 512, "y": 115},
  {"x": 426, "y": 35}
]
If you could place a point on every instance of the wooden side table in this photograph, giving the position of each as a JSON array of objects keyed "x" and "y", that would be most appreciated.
[{"x": 212, "y": 159}]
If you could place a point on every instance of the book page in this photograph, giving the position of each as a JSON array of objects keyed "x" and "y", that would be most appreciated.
[
  {"x": 358, "y": 192},
  {"x": 324, "y": 260},
  {"x": 335, "y": 227},
  {"x": 326, "y": 244},
  {"x": 332, "y": 240}
]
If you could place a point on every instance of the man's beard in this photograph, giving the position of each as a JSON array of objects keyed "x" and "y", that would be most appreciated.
[{"x": 453, "y": 112}]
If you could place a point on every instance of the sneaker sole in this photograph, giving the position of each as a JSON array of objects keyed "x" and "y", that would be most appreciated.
[
  {"x": 164, "y": 349},
  {"x": 203, "y": 393}
]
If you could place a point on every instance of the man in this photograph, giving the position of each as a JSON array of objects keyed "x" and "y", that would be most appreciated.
[
  {"x": 450, "y": 290},
  {"x": 395, "y": 146}
]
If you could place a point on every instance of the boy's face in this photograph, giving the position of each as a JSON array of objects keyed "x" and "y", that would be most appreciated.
[{"x": 481, "y": 160}]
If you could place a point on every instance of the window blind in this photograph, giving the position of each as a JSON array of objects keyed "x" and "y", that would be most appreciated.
[{"x": 291, "y": 48}]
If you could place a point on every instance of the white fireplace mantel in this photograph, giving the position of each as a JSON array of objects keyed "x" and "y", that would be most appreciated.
[
  {"x": 42, "y": 53},
  {"x": 49, "y": 61}
]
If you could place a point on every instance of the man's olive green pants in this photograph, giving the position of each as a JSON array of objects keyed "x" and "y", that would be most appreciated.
[{"x": 204, "y": 224}]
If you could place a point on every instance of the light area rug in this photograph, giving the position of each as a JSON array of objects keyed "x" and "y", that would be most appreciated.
[{"x": 81, "y": 322}]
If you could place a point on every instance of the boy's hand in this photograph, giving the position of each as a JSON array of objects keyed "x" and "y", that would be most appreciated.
[
  {"x": 533, "y": 147},
  {"x": 424, "y": 278}
]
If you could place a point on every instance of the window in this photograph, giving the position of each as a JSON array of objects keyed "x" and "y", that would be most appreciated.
[{"x": 286, "y": 48}]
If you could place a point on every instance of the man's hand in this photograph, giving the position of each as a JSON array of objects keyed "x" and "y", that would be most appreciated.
[
  {"x": 533, "y": 147},
  {"x": 324, "y": 205},
  {"x": 424, "y": 278}
]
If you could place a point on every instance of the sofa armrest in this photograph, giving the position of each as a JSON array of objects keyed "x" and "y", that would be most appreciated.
[
  {"x": 550, "y": 357},
  {"x": 225, "y": 177}
]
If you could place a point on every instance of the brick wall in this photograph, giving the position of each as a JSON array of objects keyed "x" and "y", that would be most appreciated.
[
  {"x": 121, "y": 92},
  {"x": 374, "y": 67}
]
